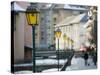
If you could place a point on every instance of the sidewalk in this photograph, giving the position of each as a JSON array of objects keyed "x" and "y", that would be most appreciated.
[
  {"x": 77, "y": 64},
  {"x": 41, "y": 64}
]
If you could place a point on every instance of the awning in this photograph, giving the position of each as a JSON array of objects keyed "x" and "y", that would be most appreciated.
[
  {"x": 70, "y": 20},
  {"x": 65, "y": 22},
  {"x": 71, "y": 7},
  {"x": 78, "y": 18},
  {"x": 17, "y": 8}
]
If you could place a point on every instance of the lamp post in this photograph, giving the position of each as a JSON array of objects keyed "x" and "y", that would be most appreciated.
[
  {"x": 58, "y": 35},
  {"x": 32, "y": 15},
  {"x": 68, "y": 40},
  {"x": 71, "y": 44},
  {"x": 64, "y": 37}
]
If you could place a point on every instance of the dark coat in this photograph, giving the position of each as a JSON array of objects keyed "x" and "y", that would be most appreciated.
[
  {"x": 86, "y": 56},
  {"x": 95, "y": 57}
]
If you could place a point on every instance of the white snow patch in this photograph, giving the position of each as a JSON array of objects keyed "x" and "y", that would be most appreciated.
[
  {"x": 79, "y": 64},
  {"x": 78, "y": 61},
  {"x": 53, "y": 56},
  {"x": 51, "y": 70},
  {"x": 23, "y": 72},
  {"x": 44, "y": 62},
  {"x": 49, "y": 62}
]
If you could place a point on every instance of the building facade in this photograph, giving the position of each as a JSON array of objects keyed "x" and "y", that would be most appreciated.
[
  {"x": 52, "y": 16},
  {"x": 71, "y": 22}
]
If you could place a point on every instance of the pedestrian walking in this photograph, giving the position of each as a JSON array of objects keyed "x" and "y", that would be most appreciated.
[
  {"x": 86, "y": 58},
  {"x": 95, "y": 58}
]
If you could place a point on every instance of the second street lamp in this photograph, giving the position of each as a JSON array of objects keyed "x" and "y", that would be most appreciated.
[
  {"x": 32, "y": 15},
  {"x": 58, "y": 35},
  {"x": 71, "y": 44}
]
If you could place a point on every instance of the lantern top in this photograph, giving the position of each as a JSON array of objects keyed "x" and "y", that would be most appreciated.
[
  {"x": 32, "y": 8},
  {"x": 58, "y": 30}
]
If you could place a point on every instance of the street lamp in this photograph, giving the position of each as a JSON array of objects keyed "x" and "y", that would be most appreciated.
[
  {"x": 58, "y": 35},
  {"x": 32, "y": 15},
  {"x": 68, "y": 40},
  {"x": 65, "y": 38},
  {"x": 71, "y": 44}
]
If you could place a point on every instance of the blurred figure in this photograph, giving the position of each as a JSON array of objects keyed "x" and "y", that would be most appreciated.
[
  {"x": 95, "y": 58},
  {"x": 86, "y": 56}
]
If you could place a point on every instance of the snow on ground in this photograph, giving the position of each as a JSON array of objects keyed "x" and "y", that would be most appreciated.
[
  {"x": 24, "y": 72},
  {"x": 51, "y": 70},
  {"x": 76, "y": 64},
  {"x": 44, "y": 62},
  {"x": 41, "y": 62},
  {"x": 79, "y": 64},
  {"x": 50, "y": 62}
]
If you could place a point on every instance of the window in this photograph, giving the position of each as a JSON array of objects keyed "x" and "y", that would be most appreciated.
[
  {"x": 42, "y": 33},
  {"x": 54, "y": 24},
  {"x": 55, "y": 19},
  {"x": 76, "y": 12},
  {"x": 42, "y": 18},
  {"x": 48, "y": 27},
  {"x": 49, "y": 34},
  {"x": 42, "y": 38}
]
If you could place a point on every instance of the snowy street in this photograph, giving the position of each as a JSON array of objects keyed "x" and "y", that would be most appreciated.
[
  {"x": 76, "y": 64},
  {"x": 79, "y": 64}
]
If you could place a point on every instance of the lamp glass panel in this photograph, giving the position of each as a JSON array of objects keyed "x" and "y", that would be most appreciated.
[
  {"x": 32, "y": 18},
  {"x": 58, "y": 34},
  {"x": 64, "y": 37}
]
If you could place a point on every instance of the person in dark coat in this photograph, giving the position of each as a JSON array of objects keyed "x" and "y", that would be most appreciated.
[
  {"x": 95, "y": 58},
  {"x": 86, "y": 58}
]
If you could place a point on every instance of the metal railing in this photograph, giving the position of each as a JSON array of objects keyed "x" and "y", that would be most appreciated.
[{"x": 68, "y": 63}]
